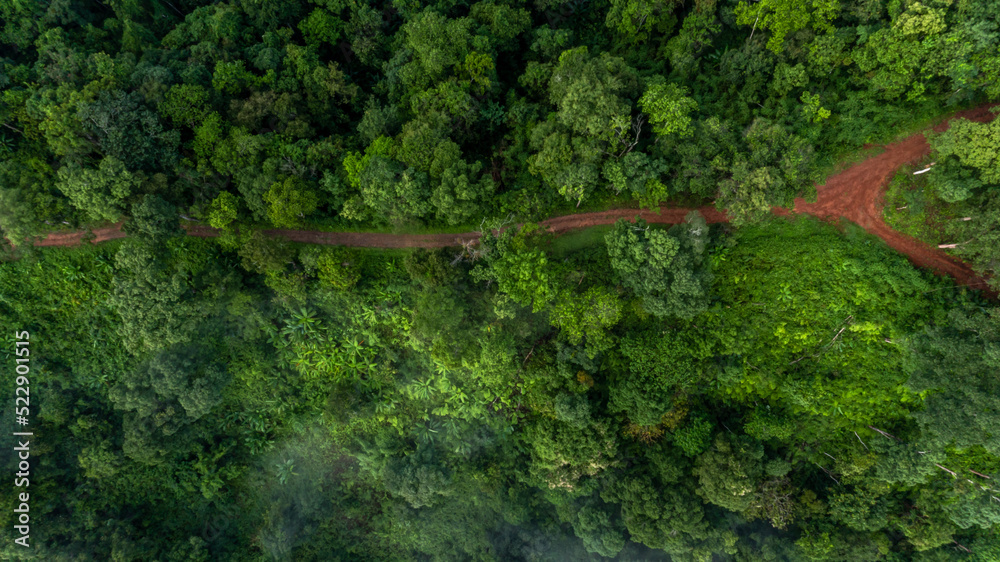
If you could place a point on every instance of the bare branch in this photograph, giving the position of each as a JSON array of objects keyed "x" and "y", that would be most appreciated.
[
  {"x": 817, "y": 354},
  {"x": 828, "y": 473},
  {"x": 755, "y": 29},
  {"x": 528, "y": 356},
  {"x": 946, "y": 470},
  {"x": 862, "y": 442},
  {"x": 884, "y": 434}
]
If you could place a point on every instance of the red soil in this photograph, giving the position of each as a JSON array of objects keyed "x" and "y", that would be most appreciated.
[
  {"x": 74, "y": 238},
  {"x": 855, "y": 194}
]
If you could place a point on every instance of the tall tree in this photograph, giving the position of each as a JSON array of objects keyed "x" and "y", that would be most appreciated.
[
  {"x": 955, "y": 363},
  {"x": 782, "y": 17},
  {"x": 593, "y": 121},
  {"x": 100, "y": 192},
  {"x": 666, "y": 269}
]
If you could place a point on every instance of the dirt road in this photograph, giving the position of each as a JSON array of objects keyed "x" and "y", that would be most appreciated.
[{"x": 855, "y": 194}]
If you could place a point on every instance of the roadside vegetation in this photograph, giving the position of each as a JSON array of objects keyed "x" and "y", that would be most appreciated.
[
  {"x": 771, "y": 388},
  {"x": 954, "y": 202},
  {"x": 913, "y": 208},
  {"x": 790, "y": 389},
  {"x": 343, "y": 115}
]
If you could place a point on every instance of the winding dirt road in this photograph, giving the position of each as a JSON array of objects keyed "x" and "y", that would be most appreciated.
[{"x": 854, "y": 194}]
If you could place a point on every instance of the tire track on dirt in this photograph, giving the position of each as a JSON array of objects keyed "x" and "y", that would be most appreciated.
[{"x": 855, "y": 194}]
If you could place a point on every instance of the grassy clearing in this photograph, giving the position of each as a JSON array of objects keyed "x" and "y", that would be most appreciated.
[
  {"x": 337, "y": 225},
  {"x": 849, "y": 159},
  {"x": 924, "y": 120},
  {"x": 82, "y": 252},
  {"x": 912, "y": 208},
  {"x": 578, "y": 239}
]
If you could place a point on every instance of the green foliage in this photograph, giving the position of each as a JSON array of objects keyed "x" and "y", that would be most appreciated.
[
  {"x": 591, "y": 96},
  {"x": 153, "y": 217},
  {"x": 100, "y": 192},
  {"x": 437, "y": 43},
  {"x": 518, "y": 399},
  {"x": 520, "y": 268},
  {"x": 416, "y": 481},
  {"x": 783, "y": 17},
  {"x": 588, "y": 315},
  {"x": 668, "y": 108},
  {"x": 694, "y": 437},
  {"x": 793, "y": 313},
  {"x": 659, "y": 517},
  {"x": 289, "y": 202},
  {"x": 775, "y": 171},
  {"x": 593, "y": 118},
  {"x": 812, "y": 109},
  {"x": 949, "y": 363},
  {"x": 394, "y": 193},
  {"x": 599, "y": 532},
  {"x": 973, "y": 145},
  {"x": 729, "y": 472},
  {"x": 17, "y": 217},
  {"x": 178, "y": 379},
  {"x": 504, "y": 113},
  {"x": 566, "y": 162},
  {"x": 635, "y": 20},
  {"x": 338, "y": 267},
  {"x": 662, "y": 367},
  {"x": 666, "y": 270},
  {"x": 960, "y": 190},
  {"x": 185, "y": 104},
  {"x": 638, "y": 174},
  {"x": 223, "y": 211},
  {"x": 562, "y": 456},
  {"x": 435, "y": 406},
  {"x": 763, "y": 424},
  {"x": 456, "y": 198},
  {"x": 355, "y": 163},
  {"x": 504, "y": 22},
  {"x": 321, "y": 26},
  {"x": 129, "y": 132}
]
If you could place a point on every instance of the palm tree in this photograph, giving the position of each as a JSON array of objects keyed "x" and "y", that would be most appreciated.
[
  {"x": 302, "y": 322},
  {"x": 386, "y": 407},
  {"x": 441, "y": 369},
  {"x": 429, "y": 432},
  {"x": 423, "y": 389},
  {"x": 353, "y": 346},
  {"x": 285, "y": 470},
  {"x": 369, "y": 315}
]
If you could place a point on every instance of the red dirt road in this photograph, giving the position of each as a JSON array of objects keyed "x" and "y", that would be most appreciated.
[
  {"x": 74, "y": 238},
  {"x": 855, "y": 194}
]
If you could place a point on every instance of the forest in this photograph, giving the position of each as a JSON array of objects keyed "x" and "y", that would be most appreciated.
[{"x": 774, "y": 387}]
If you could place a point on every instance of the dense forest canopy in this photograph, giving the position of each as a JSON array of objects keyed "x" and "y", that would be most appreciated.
[
  {"x": 767, "y": 389},
  {"x": 349, "y": 114}
]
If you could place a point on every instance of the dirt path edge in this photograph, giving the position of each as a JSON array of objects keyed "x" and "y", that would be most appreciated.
[{"x": 855, "y": 194}]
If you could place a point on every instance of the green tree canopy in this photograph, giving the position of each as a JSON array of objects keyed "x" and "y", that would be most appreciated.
[
  {"x": 953, "y": 363},
  {"x": 667, "y": 270}
]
